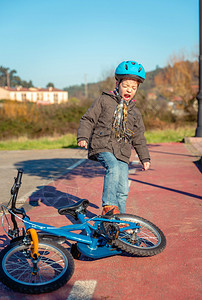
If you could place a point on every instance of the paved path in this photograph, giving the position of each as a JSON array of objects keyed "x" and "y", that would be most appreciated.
[
  {"x": 40, "y": 168},
  {"x": 169, "y": 195}
]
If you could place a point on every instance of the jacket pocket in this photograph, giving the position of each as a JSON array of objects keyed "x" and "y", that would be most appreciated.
[
  {"x": 126, "y": 150},
  {"x": 100, "y": 138}
]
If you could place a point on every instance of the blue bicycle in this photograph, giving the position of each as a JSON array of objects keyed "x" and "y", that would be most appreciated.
[{"x": 35, "y": 261}]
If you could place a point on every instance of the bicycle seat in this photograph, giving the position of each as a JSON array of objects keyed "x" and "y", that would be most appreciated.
[{"x": 72, "y": 210}]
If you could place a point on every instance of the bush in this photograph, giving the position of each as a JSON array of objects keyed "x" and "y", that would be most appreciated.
[
  {"x": 17, "y": 119},
  {"x": 28, "y": 119}
]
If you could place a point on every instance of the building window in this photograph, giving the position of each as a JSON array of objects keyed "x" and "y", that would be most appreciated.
[
  {"x": 55, "y": 98},
  {"x": 23, "y": 96},
  {"x": 41, "y": 96}
]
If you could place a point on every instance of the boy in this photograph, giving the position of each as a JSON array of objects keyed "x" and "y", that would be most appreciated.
[{"x": 108, "y": 129}]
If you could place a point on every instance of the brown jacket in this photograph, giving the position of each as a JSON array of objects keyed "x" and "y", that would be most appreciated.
[{"x": 96, "y": 128}]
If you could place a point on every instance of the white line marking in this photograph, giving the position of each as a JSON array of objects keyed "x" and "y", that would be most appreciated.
[
  {"x": 132, "y": 171},
  {"x": 135, "y": 162},
  {"x": 76, "y": 164},
  {"x": 82, "y": 290}
]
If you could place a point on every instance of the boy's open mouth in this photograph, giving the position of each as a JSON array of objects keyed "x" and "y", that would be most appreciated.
[{"x": 127, "y": 96}]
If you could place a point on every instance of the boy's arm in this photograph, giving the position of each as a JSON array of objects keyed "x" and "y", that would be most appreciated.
[
  {"x": 87, "y": 123},
  {"x": 140, "y": 144}
]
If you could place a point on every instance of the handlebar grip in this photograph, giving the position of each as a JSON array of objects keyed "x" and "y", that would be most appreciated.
[
  {"x": 17, "y": 182},
  {"x": 19, "y": 176}
]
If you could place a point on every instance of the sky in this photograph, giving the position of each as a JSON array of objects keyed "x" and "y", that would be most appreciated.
[{"x": 70, "y": 42}]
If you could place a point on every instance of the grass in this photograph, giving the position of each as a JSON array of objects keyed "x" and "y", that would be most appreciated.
[
  {"x": 69, "y": 140},
  {"x": 169, "y": 135},
  {"x": 24, "y": 143}
]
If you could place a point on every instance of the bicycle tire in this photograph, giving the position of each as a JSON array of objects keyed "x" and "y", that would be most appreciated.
[
  {"x": 55, "y": 268},
  {"x": 149, "y": 241}
]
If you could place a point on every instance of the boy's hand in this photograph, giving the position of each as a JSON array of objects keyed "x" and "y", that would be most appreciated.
[
  {"x": 83, "y": 144},
  {"x": 146, "y": 166}
]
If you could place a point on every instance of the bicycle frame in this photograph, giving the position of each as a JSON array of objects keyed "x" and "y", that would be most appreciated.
[
  {"x": 88, "y": 244},
  {"x": 93, "y": 243}
]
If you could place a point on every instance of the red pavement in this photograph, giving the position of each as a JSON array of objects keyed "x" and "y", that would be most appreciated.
[{"x": 169, "y": 195}]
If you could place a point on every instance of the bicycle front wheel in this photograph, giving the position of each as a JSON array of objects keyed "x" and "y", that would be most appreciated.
[
  {"x": 147, "y": 241},
  {"x": 54, "y": 267}
]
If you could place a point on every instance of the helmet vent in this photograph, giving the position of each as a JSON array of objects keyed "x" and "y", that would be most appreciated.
[
  {"x": 139, "y": 69},
  {"x": 126, "y": 67},
  {"x": 132, "y": 62}
]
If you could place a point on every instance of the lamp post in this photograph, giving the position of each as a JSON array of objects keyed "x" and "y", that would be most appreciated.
[{"x": 199, "y": 96}]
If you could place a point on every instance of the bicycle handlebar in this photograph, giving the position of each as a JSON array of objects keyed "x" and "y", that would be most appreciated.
[
  {"x": 17, "y": 182},
  {"x": 14, "y": 194}
]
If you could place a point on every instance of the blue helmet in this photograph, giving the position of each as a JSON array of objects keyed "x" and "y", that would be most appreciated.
[{"x": 130, "y": 69}]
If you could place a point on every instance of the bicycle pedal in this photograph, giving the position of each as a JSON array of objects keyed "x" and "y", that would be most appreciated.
[
  {"x": 110, "y": 230},
  {"x": 75, "y": 251}
]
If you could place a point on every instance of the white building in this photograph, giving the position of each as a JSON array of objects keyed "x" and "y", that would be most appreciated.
[{"x": 37, "y": 95}]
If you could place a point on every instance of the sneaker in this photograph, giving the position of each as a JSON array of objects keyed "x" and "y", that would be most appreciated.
[{"x": 113, "y": 208}]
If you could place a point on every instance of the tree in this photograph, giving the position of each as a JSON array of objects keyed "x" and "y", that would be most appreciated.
[
  {"x": 50, "y": 84},
  {"x": 12, "y": 77},
  {"x": 179, "y": 78},
  {"x": 3, "y": 76},
  {"x": 9, "y": 78}
]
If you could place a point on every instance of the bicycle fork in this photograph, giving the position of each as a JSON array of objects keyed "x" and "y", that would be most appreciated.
[{"x": 34, "y": 250}]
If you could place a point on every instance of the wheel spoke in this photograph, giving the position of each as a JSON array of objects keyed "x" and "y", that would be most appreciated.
[
  {"x": 146, "y": 239},
  {"x": 51, "y": 265}
]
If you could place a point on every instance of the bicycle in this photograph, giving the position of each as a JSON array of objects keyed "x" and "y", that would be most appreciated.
[{"x": 35, "y": 261}]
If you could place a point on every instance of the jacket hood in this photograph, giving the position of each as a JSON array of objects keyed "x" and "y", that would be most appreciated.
[{"x": 112, "y": 95}]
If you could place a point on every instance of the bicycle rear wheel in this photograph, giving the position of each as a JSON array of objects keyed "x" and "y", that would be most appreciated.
[
  {"x": 147, "y": 241},
  {"x": 55, "y": 267}
]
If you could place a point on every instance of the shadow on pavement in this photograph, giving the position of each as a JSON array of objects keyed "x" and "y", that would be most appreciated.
[
  {"x": 54, "y": 168},
  {"x": 46, "y": 168},
  {"x": 167, "y": 188},
  {"x": 198, "y": 164},
  {"x": 4, "y": 240},
  {"x": 50, "y": 196},
  {"x": 168, "y": 153}
]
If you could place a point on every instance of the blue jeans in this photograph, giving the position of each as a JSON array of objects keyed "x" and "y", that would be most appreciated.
[{"x": 115, "y": 190}]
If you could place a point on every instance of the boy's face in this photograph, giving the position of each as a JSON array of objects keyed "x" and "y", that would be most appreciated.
[{"x": 128, "y": 89}]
